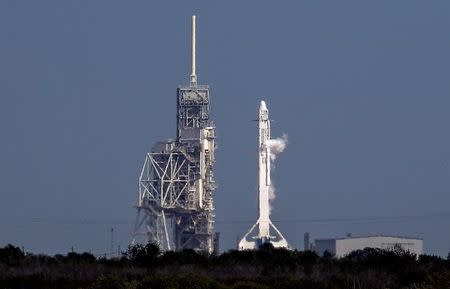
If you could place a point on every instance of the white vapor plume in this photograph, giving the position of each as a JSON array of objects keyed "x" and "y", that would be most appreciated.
[
  {"x": 271, "y": 192},
  {"x": 272, "y": 196},
  {"x": 277, "y": 145}
]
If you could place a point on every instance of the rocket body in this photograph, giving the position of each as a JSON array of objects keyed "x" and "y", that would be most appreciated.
[
  {"x": 264, "y": 170},
  {"x": 263, "y": 231}
]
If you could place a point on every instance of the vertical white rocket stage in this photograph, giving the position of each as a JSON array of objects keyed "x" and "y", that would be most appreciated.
[{"x": 263, "y": 231}]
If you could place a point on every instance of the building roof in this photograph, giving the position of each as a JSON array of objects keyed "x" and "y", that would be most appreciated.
[{"x": 369, "y": 236}]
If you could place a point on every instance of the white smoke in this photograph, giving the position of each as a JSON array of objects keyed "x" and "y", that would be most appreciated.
[
  {"x": 277, "y": 145},
  {"x": 272, "y": 194}
]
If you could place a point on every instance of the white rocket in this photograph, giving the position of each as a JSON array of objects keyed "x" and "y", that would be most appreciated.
[{"x": 261, "y": 233}]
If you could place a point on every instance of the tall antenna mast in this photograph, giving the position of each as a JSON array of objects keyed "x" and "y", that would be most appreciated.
[{"x": 193, "y": 75}]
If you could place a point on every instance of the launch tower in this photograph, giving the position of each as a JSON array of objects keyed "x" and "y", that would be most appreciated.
[{"x": 176, "y": 185}]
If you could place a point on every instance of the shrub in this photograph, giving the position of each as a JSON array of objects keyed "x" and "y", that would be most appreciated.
[
  {"x": 11, "y": 256},
  {"x": 143, "y": 255}
]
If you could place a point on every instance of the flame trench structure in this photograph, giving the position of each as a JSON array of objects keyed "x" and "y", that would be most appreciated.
[
  {"x": 176, "y": 186},
  {"x": 264, "y": 231}
]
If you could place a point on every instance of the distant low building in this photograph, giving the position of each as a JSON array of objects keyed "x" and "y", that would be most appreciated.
[{"x": 339, "y": 247}]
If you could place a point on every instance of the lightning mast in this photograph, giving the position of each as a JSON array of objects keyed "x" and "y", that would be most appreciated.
[{"x": 176, "y": 184}]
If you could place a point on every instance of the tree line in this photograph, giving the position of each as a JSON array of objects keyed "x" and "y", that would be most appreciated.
[{"x": 146, "y": 267}]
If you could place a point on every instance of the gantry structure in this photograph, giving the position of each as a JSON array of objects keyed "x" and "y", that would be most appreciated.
[{"x": 176, "y": 186}]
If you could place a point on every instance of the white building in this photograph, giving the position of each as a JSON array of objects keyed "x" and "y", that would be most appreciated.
[{"x": 340, "y": 247}]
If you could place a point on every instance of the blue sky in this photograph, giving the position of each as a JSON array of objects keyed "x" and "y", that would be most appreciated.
[{"x": 361, "y": 88}]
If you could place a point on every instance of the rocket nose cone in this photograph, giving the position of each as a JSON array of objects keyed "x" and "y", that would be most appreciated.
[{"x": 263, "y": 105}]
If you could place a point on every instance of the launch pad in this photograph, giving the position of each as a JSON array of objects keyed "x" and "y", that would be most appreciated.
[{"x": 176, "y": 186}]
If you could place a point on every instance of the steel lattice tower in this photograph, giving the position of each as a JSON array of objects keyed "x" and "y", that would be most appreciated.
[{"x": 176, "y": 185}]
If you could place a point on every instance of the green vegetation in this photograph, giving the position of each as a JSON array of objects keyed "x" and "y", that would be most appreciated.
[{"x": 146, "y": 267}]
